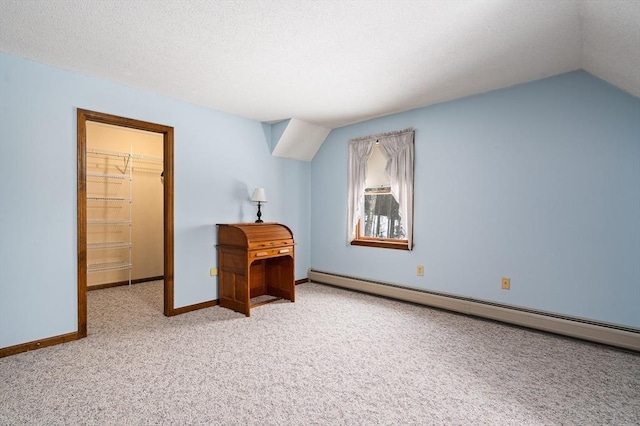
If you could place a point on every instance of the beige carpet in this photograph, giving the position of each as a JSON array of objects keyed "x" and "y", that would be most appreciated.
[{"x": 333, "y": 357}]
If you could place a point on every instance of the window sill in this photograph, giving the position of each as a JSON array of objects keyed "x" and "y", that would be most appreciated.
[{"x": 400, "y": 245}]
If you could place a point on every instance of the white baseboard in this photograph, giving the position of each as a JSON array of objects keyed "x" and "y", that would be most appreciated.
[{"x": 609, "y": 334}]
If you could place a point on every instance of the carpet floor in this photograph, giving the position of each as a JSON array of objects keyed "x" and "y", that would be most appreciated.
[{"x": 334, "y": 357}]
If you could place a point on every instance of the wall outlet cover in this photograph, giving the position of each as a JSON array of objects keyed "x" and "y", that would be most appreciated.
[{"x": 506, "y": 283}]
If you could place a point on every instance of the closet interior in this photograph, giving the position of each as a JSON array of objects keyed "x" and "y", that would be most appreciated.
[{"x": 124, "y": 180}]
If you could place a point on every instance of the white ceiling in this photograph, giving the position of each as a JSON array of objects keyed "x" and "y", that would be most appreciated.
[{"x": 327, "y": 63}]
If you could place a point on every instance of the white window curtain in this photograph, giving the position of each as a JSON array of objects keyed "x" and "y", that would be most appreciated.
[
  {"x": 398, "y": 147},
  {"x": 399, "y": 152},
  {"x": 359, "y": 153}
]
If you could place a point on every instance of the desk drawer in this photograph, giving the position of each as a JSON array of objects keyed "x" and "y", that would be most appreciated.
[
  {"x": 271, "y": 252},
  {"x": 259, "y": 245}
]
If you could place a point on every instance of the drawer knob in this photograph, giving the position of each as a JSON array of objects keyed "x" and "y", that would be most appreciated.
[{"x": 284, "y": 250}]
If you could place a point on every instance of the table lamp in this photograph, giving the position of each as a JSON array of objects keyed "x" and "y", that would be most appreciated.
[{"x": 259, "y": 197}]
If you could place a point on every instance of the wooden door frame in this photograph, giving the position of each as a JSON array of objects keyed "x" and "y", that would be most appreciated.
[{"x": 167, "y": 134}]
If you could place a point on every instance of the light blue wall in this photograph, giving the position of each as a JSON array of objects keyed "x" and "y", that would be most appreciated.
[
  {"x": 219, "y": 159},
  {"x": 539, "y": 182}
]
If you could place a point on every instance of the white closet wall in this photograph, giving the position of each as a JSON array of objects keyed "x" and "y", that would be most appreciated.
[{"x": 142, "y": 161}]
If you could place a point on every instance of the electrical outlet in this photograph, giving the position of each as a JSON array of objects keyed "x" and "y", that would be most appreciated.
[
  {"x": 506, "y": 283},
  {"x": 213, "y": 272},
  {"x": 420, "y": 271}
]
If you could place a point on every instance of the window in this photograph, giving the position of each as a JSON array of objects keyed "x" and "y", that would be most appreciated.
[
  {"x": 381, "y": 215},
  {"x": 380, "y": 208}
]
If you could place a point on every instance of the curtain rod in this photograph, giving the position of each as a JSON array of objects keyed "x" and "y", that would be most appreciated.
[{"x": 383, "y": 135}]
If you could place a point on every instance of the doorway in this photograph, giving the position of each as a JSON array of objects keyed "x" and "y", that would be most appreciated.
[{"x": 84, "y": 116}]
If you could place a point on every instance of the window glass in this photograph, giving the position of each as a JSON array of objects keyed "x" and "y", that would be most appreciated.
[{"x": 381, "y": 215}]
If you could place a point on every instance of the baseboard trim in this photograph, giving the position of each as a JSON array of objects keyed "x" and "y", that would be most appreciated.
[
  {"x": 38, "y": 344},
  {"x": 608, "y": 334},
  {"x": 190, "y": 308},
  {"x": 121, "y": 283},
  {"x": 212, "y": 303}
]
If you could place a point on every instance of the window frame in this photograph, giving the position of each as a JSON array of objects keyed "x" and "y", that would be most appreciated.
[
  {"x": 398, "y": 147},
  {"x": 390, "y": 243},
  {"x": 363, "y": 240}
]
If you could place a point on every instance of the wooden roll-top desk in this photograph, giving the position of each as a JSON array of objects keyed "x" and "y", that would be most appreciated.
[{"x": 254, "y": 259}]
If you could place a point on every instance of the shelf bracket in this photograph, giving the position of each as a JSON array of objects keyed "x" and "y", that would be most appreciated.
[{"x": 125, "y": 160}]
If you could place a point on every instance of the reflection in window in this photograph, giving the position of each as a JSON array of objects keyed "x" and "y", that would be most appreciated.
[{"x": 381, "y": 215}]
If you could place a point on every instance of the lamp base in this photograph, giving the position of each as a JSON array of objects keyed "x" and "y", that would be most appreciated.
[{"x": 259, "y": 214}]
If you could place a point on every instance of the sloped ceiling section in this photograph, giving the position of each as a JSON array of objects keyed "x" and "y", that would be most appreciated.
[
  {"x": 326, "y": 63},
  {"x": 300, "y": 140}
]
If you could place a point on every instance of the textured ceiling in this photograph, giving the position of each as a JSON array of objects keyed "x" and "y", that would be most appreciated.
[{"x": 329, "y": 63}]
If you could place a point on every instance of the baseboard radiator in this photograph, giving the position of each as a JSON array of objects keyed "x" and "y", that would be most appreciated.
[{"x": 609, "y": 334}]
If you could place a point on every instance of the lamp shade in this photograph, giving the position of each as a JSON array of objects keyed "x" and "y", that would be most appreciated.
[{"x": 259, "y": 196}]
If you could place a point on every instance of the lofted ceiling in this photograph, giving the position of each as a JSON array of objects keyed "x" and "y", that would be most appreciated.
[{"x": 327, "y": 63}]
